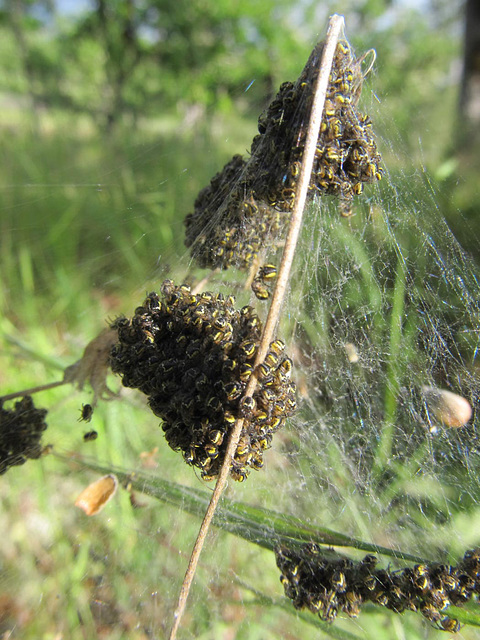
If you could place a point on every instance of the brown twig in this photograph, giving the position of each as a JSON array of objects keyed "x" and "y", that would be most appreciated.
[
  {"x": 334, "y": 28},
  {"x": 259, "y": 258},
  {"x": 201, "y": 284},
  {"x": 29, "y": 392}
]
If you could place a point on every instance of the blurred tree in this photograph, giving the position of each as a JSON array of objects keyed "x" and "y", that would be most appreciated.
[
  {"x": 33, "y": 59},
  {"x": 461, "y": 195},
  {"x": 470, "y": 87},
  {"x": 130, "y": 58},
  {"x": 106, "y": 46}
]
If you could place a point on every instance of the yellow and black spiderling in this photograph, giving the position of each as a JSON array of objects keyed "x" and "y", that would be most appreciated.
[
  {"x": 86, "y": 413},
  {"x": 21, "y": 430},
  {"x": 327, "y": 584},
  {"x": 192, "y": 355},
  {"x": 247, "y": 205},
  {"x": 261, "y": 285}
]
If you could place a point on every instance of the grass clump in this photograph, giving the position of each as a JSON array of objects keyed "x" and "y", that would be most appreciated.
[{"x": 363, "y": 456}]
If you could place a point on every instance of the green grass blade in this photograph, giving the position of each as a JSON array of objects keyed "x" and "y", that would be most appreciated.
[
  {"x": 285, "y": 604},
  {"x": 261, "y": 526},
  {"x": 470, "y": 614},
  {"x": 384, "y": 451}
]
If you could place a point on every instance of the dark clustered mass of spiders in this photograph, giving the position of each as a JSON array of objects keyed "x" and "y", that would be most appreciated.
[
  {"x": 327, "y": 585},
  {"x": 247, "y": 204},
  {"x": 192, "y": 355},
  {"x": 21, "y": 431}
]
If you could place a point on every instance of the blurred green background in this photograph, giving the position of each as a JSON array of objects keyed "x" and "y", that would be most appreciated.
[{"x": 113, "y": 115}]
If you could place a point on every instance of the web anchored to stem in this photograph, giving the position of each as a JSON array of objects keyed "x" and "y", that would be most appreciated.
[
  {"x": 335, "y": 26},
  {"x": 383, "y": 317}
]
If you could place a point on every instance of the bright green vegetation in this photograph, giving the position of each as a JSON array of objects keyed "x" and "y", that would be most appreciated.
[{"x": 89, "y": 224}]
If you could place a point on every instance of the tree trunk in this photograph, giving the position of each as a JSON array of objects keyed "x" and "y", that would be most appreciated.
[{"x": 470, "y": 88}]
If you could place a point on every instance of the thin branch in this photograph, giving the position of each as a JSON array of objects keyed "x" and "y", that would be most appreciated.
[
  {"x": 204, "y": 281},
  {"x": 29, "y": 392},
  {"x": 257, "y": 261},
  {"x": 335, "y": 26}
]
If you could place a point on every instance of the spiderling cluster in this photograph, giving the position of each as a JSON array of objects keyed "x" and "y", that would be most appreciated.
[
  {"x": 21, "y": 430},
  {"x": 325, "y": 585},
  {"x": 192, "y": 355},
  {"x": 247, "y": 205}
]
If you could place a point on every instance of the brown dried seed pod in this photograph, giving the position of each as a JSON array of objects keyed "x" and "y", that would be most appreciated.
[
  {"x": 450, "y": 409},
  {"x": 192, "y": 355}
]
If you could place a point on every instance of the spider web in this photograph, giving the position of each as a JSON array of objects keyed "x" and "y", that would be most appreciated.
[
  {"x": 379, "y": 359},
  {"x": 383, "y": 308}
]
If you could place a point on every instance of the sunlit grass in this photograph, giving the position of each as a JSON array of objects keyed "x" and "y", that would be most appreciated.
[{"x": 88, "y": 226}]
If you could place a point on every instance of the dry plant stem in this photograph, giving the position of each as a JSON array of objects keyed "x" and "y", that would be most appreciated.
[
  {"x": 200, "y": 285},
  {"x": 259, "y": 258},
  {"x": 335, "y": 26},
  {"x": 32, "y": 390}
]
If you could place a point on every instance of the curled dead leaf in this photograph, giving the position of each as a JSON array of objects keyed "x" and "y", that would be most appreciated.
[
  {"x": 93, "y": 366},
  {"x": 94, "y": 497}
]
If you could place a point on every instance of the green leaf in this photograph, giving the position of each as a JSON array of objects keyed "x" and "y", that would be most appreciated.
[
  {"x": 285, "y": 604},
  {"x": 261, "y": 526},
  {"x": 469, "y": 614}
]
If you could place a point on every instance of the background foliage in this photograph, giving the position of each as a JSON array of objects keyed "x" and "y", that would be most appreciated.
[{"x": 113, "y": 116}]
